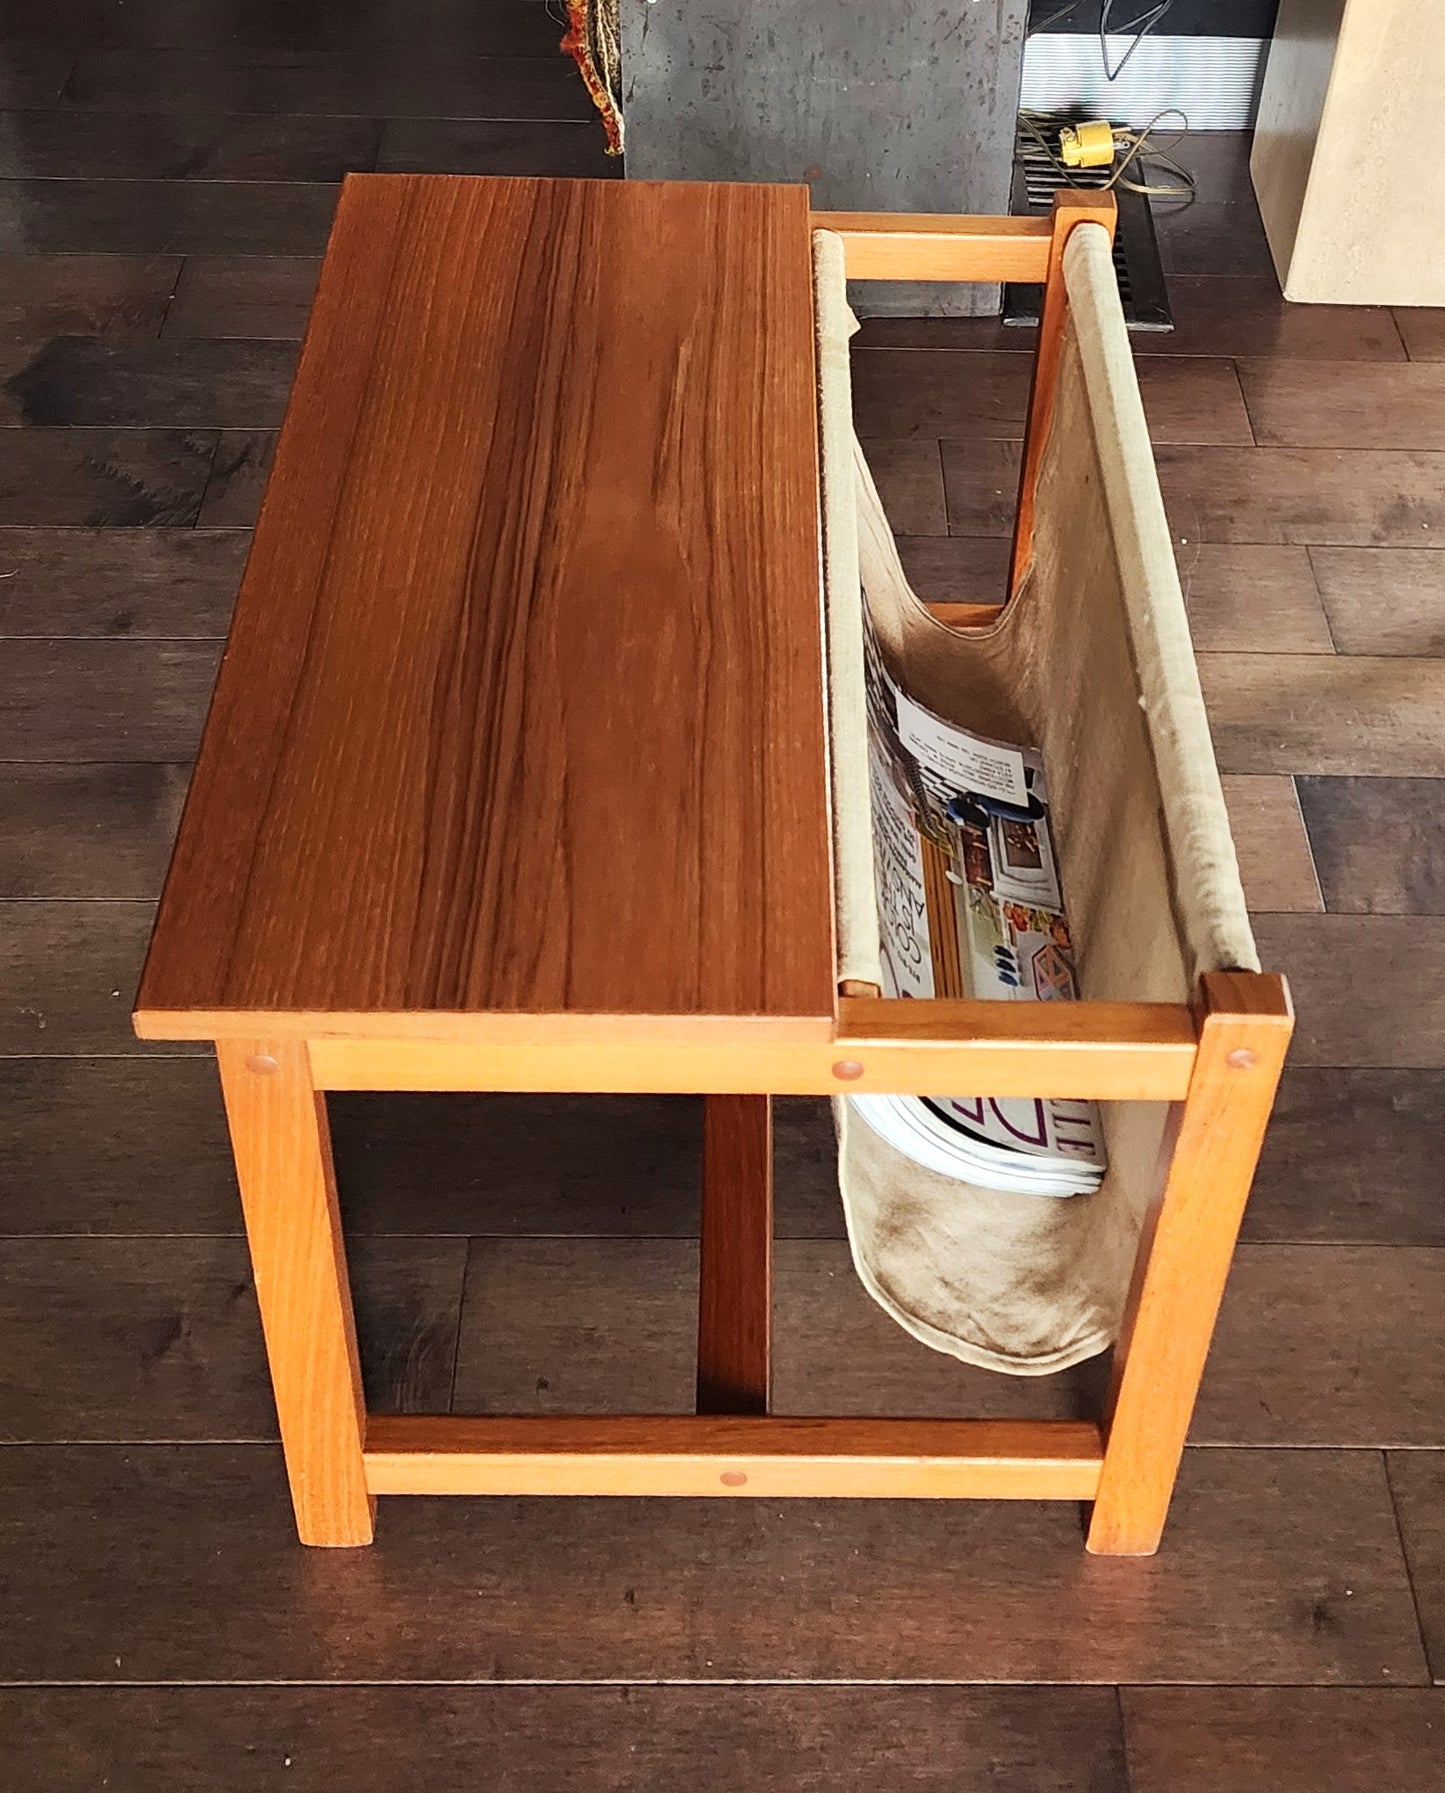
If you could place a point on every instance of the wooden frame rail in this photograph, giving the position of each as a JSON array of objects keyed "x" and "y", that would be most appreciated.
[
  {"x": 937, "y": 246},
  {"x": 721, "y": 1456},
  {"x": 1087, "y": 1050}
]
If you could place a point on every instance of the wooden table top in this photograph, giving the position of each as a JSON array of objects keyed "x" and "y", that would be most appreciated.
[{"x": 522, "y": 705}]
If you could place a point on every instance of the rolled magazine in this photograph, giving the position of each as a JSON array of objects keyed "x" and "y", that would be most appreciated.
[{"x": 970, "y": 905}]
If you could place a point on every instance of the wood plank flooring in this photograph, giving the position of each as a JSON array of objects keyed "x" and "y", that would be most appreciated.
[
  {"x": 943, "y": 1739},
  {"x": 168, "y": 171},
  {"x": 1284, "y": 1567},
  {"x": 1281, "y": 1739}
]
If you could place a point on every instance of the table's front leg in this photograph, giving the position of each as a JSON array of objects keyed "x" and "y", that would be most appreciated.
[{"x": 282, "y": 1146}]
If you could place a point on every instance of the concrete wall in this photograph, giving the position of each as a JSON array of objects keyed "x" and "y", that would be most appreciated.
[{"x": 881, "y": 105}]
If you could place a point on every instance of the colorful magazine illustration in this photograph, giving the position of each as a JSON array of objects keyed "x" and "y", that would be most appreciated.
[{"x": 970, "y": 905}]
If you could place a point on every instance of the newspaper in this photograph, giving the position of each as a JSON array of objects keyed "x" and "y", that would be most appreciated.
[{"x": 969, "y": 905}]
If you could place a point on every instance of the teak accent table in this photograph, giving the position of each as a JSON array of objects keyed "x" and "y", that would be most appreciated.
[{"x": 515, "y": 778}]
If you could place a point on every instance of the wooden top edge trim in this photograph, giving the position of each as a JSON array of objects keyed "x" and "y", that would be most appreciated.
[
  {"x": 1152, "y": 1028},
  {"x": 361, "y": 177},
  {"x": 492, "y": 1028}
]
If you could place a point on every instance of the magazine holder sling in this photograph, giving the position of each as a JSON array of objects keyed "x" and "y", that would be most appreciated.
[{"x": 533, "y": 764}]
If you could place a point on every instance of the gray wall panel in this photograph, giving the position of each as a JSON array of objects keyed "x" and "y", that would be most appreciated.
[{"x": 901, "y": 106}]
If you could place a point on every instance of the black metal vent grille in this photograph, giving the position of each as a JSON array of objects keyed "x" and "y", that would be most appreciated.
[{"x": 1136, "y": 248}]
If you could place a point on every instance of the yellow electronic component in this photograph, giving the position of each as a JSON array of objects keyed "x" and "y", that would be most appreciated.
[{"x": 1088, "y": 145}]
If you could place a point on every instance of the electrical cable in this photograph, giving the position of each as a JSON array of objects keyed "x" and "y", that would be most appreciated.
[
  {"x": 1042, "y": 128},
  {"x": 1138, "y": 147},
  {"x": 1141, "y": 26}
]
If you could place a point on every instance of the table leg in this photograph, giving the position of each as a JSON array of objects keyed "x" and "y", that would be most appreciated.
[
  {"x": 735, "y": 1294},
  {"x": 1210, "y": 1151},
  {"x": 282, "y": 1147}
]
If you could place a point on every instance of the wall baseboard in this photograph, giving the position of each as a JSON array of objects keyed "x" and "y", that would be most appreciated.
[{"x": 1214, "y": 81}]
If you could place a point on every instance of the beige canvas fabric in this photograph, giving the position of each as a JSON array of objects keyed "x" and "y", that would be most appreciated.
[
  {"x": 1090, "y": 663},
  {"x": 856, "y": 907},
  {"x": 1213, "y": 920}
]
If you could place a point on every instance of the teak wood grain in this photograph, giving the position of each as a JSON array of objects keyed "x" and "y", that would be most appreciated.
[
  {"x": 735, "y": 1289},
  {"x": 522, "y": 707}
]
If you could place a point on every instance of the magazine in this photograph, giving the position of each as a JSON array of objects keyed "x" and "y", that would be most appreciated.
[{"x": 969, "y": 905}]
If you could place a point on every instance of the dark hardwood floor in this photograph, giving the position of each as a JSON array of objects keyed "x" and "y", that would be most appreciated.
[{"x": 167, "y": 173}]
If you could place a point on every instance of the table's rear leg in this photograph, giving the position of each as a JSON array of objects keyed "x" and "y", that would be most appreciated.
[
  {"x": 735, "y": 1293},
  {"x": 283, "y": 1162}
]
